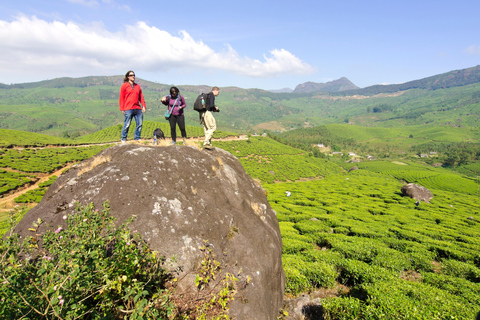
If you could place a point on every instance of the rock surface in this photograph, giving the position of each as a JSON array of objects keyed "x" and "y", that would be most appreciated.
[
  {"x": 417, "y": 192},
  {"x": 182, "y": 196}
]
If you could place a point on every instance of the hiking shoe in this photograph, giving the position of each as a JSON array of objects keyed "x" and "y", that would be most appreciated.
[
  {"x": 173, "y": 142},
  {"x": 124, "y": 141}
]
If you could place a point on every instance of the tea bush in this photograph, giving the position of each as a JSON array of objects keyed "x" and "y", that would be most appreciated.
[
  {"x": 46, "y": 159},
  {"x": 37, "y": 194},
  {"x": 393, "y": 257},
  {"x": 12, "y": 180}
]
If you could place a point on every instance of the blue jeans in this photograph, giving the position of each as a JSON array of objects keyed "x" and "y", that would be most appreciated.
[{"x": 129, "y": 114}]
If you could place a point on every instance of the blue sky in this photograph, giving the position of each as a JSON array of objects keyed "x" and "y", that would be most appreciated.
[{"x": 248, "y": 44}]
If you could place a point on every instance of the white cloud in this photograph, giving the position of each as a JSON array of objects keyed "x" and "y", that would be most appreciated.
[
  {"x": 473, "y": 50},
  {"x": 35, "y": 46}
]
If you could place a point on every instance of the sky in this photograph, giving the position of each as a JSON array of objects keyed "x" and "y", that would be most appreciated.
[{"x": 249, "y": 44}]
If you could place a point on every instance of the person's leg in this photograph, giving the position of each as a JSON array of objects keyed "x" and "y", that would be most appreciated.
[
  {"x": 211, "y": 127},
  {"x": 126, "y": 124},
  {"x": 205, "y": 129},
  {"x": 181, "y": 125},
  {"x": 139, "y": 121},
  {"x": 173, "y": 127}
]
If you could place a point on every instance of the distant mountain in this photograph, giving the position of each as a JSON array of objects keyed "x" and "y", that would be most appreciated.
[
  {"x": 341, "y": 84},
  {"x": 283, "y": 90},
  {"x": 456, "y": 78}
]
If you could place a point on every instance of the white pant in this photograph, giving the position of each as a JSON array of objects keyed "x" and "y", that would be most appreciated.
[{"x": 209, "y": 126}]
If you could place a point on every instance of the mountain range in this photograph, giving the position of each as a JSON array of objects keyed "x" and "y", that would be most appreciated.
[{"x": 85, "y": 105}]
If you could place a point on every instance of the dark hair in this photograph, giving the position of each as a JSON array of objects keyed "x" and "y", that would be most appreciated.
[
  {"x": 125, "y": 79},
  {"x": 174, "y": 90}
]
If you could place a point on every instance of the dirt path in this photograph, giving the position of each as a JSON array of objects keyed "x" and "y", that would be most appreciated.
[{"x": 7, "y": 203}]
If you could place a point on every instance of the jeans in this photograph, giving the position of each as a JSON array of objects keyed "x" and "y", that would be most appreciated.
[{"x": 129, "y": 114}]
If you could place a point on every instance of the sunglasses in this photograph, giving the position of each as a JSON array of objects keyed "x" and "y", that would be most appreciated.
[{"x": 131, "y": 75}]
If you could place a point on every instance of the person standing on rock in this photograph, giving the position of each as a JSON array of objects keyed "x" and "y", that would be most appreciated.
[
  {"x": 176, "y": 103},
  {"x": 132, "y": 105},
  {"x": 207, "y": 119}
]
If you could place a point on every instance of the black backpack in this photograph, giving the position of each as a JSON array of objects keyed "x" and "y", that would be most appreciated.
[{"x": 199, "y": 104}]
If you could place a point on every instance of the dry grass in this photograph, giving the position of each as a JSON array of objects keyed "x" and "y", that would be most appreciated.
[{"x": 93, "y": 163}]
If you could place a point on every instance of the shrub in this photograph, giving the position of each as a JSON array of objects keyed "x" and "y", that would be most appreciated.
[
  {"x": 88, "y": 270},
  {"x": 461, "y": 270}
]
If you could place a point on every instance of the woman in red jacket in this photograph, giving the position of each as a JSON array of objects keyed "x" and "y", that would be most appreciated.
[{"x": 132, "y": 105}]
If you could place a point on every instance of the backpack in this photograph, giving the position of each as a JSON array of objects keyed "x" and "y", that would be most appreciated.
[
  {"x": 158, "y": 133},
  {"x": 199, "y": 104}
]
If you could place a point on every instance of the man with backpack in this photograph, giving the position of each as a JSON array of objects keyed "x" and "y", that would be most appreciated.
[{"x": 206, "y": 116}]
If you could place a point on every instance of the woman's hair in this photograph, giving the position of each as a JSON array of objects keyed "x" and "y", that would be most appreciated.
[
  {"x": 174, "y": 91},
  {"x": 125, "y": 79}
]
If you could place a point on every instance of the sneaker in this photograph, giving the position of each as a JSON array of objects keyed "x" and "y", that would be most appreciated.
[
  {"x": 124, "y": 141},
  {"x": 173, "y": 142}
]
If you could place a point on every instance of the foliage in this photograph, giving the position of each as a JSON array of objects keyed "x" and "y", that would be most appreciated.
[
  {"x": 398, "y": 262},
  {"x": 37, "y": 194},
  {"x": 270, "y": 161},
  {"x": 9, "y": 138},
  {"x": 46, "y": 159},
  {"x": 429, "y": 177},
  {"x": 216, "y": 288},
  {"x": 87, "y": 269},
  {"x": 12, "y": 180}
]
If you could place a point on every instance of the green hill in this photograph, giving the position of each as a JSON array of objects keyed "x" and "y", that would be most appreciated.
[{"x": 73, "y": 107}]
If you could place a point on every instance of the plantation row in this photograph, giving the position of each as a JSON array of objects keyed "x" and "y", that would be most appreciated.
[
  {"x": 12, "y": 180},
  {"x": 429, "y": 177},
  {"x": 45, "y": 160},
  {"x": 271, "y": 161},
  {"x": 397, "y": 262},
  {"x": 10, "y": 138},
  {"x": 36, "y": 195}
]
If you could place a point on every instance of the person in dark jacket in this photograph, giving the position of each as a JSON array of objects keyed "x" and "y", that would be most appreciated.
[
  {"x": 207, "y": 119},
  {"x": 177, "y": 102},
  {"x": 132, "y": 105}
]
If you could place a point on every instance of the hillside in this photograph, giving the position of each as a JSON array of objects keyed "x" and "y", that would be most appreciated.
[
  {"x": 456, "y": 78},
  {"x": 73, "y": 107},
  {"x": 341, "y": 84}
]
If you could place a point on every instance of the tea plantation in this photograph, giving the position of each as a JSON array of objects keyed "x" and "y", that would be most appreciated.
[
  {"x": 351, "y": 234},
  {"x": 355, "y": 235}
]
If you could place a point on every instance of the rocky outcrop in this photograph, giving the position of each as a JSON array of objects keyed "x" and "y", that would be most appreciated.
[
  {"x": 182, "y": 196},
  {"x": 417, "y": 192}
]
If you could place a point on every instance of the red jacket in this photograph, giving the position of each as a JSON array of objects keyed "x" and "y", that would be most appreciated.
[{"x": 131, "y": 98}]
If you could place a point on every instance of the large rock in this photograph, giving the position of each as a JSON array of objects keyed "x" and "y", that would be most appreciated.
[
  {"x": 417, "y": 192},
  {"x": 181, "y": 197}
]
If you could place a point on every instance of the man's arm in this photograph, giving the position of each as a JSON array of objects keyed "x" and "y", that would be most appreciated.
[
  {"x": 142, "y": 101},
  {"x": 121, "y": 99}
]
